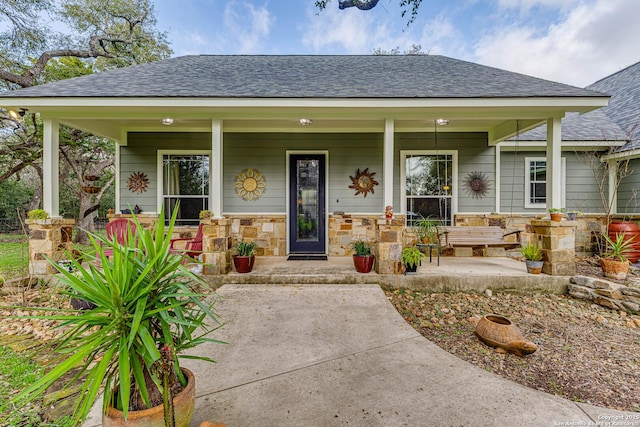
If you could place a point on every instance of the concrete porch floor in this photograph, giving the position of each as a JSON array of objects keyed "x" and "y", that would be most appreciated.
[{"x": 468, "y": 274}]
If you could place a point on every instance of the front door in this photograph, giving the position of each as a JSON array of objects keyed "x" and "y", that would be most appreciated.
[{"x": 307, "y": 203}]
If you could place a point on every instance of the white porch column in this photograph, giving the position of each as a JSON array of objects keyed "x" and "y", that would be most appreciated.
[
  {"x": 612, "y": 193},
  {"x": 554, "y": 162},
  {"x": 387, "y": 164},
  {"x": 498, "y": 172},
  {"x": 50, "y": 168},
  {"x": 215, "y": 178}
]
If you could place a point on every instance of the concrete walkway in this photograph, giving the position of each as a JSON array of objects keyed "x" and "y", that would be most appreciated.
[{"x": 332, "y": 355}]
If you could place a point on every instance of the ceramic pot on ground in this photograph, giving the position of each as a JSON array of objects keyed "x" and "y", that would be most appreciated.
[
  {"x": 614, "y": 269},
  {"x": 534, "y": 267},
  {"x": 183, "y": 406},
  {"x": 498, "y": 331},
  {"x": 363, "y": 263},
  {"x": 630, "y": 231},
  {"x": 243, "y": 264}
]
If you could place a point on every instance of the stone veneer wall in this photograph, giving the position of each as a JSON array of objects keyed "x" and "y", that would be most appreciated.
[
  {"x": 48, "y": 238},
  {"x": 345, "y": 228},
  {"x": 269, "y": 232}
]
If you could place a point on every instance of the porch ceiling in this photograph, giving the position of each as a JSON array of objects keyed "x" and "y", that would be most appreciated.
[{"x": 113, "y": 118}]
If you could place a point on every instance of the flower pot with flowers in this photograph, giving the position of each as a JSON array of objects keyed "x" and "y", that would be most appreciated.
[{"x": 532, "y": 252}]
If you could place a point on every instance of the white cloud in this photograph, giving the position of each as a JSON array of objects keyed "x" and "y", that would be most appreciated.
[
  {"x": 348, "y": 31},
  {"x": 248, "y": 25},
  {"x": 592, "y": 40}
]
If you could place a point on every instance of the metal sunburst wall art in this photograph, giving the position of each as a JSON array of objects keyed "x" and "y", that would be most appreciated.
[
  {"x": 363, "y": 182},
  {"x": 476, "y": 184},
  {"x": 250, "y": 184},
  {"x": 138, "y": 182}
]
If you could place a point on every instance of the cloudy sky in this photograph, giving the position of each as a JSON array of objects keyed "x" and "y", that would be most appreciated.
[{"x": 570, "y": 41}]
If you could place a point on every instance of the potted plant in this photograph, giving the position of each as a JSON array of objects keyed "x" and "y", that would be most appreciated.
[
  {"x": 614, "y": 262},
  {"x": 556, "y": 214},
  {"x": 204, "y": 214},
  {"x": 572, "y": 215},
  {"x": 532, "y": 252},
  {"x": 147, "y": 310},
  {"x": 244, "y": 256},
  {"x": 362, "y": 257},
  {"x": 37, "y": 214},
  {"x": 427, "y": 230},
  {"x": 411, "y": 257}
]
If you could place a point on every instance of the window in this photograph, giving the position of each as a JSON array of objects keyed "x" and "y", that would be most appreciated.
[
  {"x": 535, "y": 189},
  {"x": 185, "y": 179},
  {"x": 428, "y": 185}
]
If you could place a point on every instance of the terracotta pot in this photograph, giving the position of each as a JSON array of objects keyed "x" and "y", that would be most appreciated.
[
  {"x": 243, "y": 264},
  {"x": 555, "y": 217},
  {"x": 498, "y": 331},
  {"x": 534, "y": 267},
  {"x": 614, "y": 269},
  {"x": 363, "y": 263},
  {"x": 183, "y": 404},
  {"x": 630, "y": 231}
]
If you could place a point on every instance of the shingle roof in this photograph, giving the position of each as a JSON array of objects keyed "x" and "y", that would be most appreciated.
[
  {"x": 591, "y": 126},
  {"x": 624, "y": 88},
  {"x": 305, "y": 76}
]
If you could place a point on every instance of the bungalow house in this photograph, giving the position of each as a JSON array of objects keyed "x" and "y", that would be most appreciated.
[{"x": 303, "y": 153}]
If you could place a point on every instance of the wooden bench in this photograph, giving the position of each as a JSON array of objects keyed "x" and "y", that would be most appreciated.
[{"x": 476, "y": 237}]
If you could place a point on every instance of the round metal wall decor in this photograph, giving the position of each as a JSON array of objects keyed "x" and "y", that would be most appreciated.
[
  {"x": 476, "y": 184},
  {"x": 138, "y": 182},
  {"x": 363, "y": 182},
  {"x": 250, "y": 184}
]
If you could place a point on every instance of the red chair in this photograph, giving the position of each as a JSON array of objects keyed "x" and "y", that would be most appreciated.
[
  {"x": 119, "y": 230},
  {"x": 192, "y": 246}
]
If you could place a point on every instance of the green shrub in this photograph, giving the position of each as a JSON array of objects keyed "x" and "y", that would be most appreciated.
[
  {"x": 532, "y": 252},
  {"x": 360, "y": 247},
  {"x": 38, "y": 214}
]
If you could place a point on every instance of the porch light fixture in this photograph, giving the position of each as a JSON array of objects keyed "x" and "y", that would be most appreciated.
[
  {"x": 306, "y": 122},
  {"x": 443, "y": 122},
  {"x": 167, "y": 121},
  {"x": 17, "y": 115}
]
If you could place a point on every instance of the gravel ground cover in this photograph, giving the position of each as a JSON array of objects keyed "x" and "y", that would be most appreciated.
[{"x": 586, "y": 353}]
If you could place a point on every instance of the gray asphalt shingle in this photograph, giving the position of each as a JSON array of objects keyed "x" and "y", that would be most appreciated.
[{"x": 305, "y": 76}]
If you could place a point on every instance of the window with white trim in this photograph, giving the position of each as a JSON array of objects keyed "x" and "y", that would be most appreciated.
[
  {"x": 185, "y": 180},
  {"x": 535, "y": 187},
  {"x": 428, "y": 185}
]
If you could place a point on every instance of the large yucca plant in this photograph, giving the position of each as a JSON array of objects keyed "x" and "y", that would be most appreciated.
[{"x": 145, "y": 300}]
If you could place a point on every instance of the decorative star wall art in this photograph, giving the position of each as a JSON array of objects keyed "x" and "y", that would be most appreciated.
[
  {"x": 138, "y": 182},
  {"x": 476, "y": 184},
  {"x": 250, "y": 184},
  {"x": 363, "y": 182}
]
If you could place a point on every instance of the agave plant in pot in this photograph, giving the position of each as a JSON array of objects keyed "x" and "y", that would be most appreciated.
[
  {"x": 244, "y": 256},
  {"x": 532, "y": 252},
  {"x": 147, "y": 310},
  {"x": 363, "y": 259},
  {"x": 614, "y": 262}
]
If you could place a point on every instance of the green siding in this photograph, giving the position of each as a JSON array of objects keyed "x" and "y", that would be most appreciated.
[
  {"x": 581, "y": 191},
  {"x": 628, "y": 202},
  {"x": 473, "y": 155},
  {"x": 267, "y": 153},
  {"x": 140, "y": 155}
]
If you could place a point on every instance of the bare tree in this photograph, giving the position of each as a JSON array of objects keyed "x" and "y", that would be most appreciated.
[{"x": 410, "y": 6}]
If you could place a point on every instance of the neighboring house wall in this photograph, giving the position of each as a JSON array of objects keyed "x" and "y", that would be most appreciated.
[
  {"x": 628, "y": 202},
  {"x": 581, "y": 191}
]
